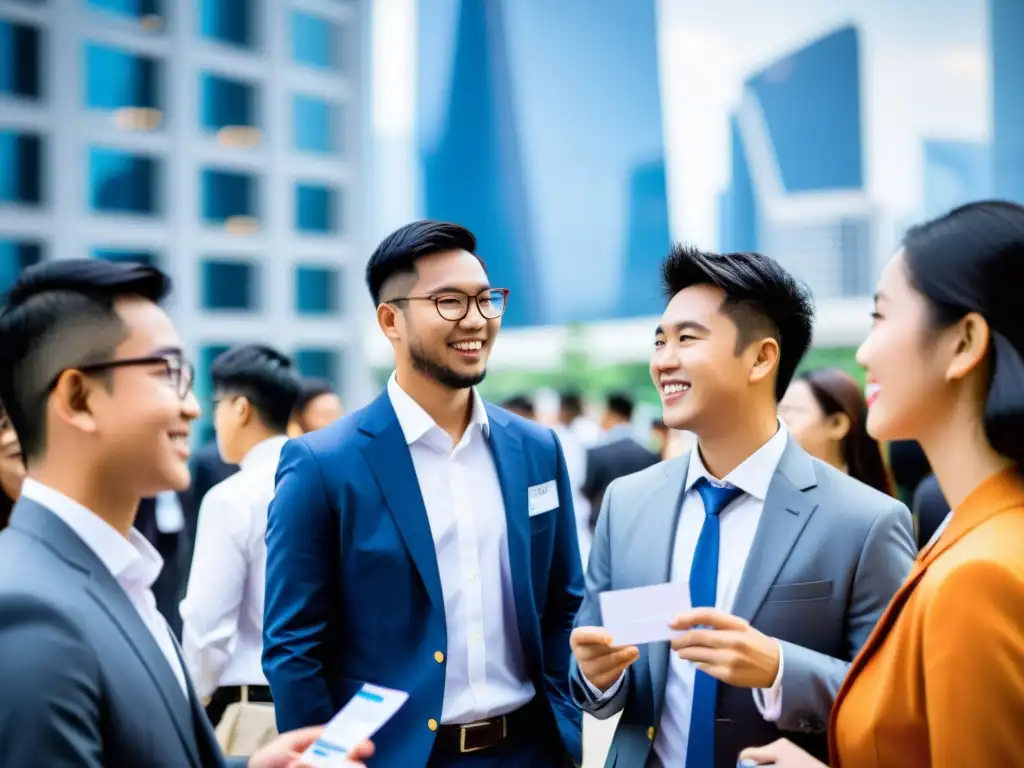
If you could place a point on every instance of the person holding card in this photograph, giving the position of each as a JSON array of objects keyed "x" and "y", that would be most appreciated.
[
  {"x": 788, "y": 562},
  {"x": 427, "y": 542},
  {"x": 94, "y": 383}
]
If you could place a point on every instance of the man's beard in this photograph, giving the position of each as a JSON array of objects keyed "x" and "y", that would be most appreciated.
[{"x": 442, "y": 373}]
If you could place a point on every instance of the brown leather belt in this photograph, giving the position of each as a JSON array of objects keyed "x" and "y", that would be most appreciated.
[{"x": 483, "y": 734}]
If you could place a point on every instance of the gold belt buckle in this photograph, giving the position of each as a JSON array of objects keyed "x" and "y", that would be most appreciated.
[{"x": 463, "y": 749}]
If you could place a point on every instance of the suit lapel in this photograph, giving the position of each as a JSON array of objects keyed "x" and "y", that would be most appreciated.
[
  {"x": 787, "y": 508},
  {"x": 388, "y": 455},
  {"x": 510, "y": 464},
  {"x": 113, "y": 601}
]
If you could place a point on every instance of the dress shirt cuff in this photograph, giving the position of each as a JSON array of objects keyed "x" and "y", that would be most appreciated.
[
  {"x": 769, "y": 700},
  {"x": 595, "y": 692}
]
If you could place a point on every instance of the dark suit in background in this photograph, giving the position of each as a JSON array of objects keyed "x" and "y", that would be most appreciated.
[
  {"x": 930, "y": 508},
  {"x": 610, "y": 461},
  {"x": 174, "y": 548}
]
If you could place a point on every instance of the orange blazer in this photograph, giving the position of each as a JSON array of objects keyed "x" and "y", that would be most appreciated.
[{"x": 940, "y": 681}]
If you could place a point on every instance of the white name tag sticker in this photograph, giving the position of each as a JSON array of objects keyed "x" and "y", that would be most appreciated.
[{"x": 543, "y": 497}]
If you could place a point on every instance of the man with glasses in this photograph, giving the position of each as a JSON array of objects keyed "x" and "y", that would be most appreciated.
[
  {"x": 427, "y": 542},
  {"x": 93, "y": 380}
]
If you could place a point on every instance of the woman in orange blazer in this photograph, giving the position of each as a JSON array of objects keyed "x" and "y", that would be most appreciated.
[{"x": 940, "y": 682}]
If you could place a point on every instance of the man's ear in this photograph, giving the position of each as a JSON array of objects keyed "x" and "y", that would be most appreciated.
[
  {"x": 71, "y": 400},
  {"x": 387, "y": 319}
]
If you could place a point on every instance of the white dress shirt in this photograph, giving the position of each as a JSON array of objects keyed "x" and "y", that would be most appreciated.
[
  {"x": 575, "y": 454},
  {"x": 738, "y": 521},
  {"x": 133, "y": 562},
  {"x": 222, "y": 613},
  {"x": 485, "y": 670}
]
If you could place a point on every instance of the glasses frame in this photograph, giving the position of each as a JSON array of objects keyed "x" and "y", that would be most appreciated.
[
  {"x": 436, "y": 298},
  {"x": 180, "y": 373}
]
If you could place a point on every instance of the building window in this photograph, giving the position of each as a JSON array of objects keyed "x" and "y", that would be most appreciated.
[
  {"x": 316, "y": 209},
  {"x": 16, "y": 255},
  {"x": 315, "y": 124},
  {"x": 119, "y": 254},
  {"x": 19, "y": 60},
  {"x": 117, "y": 79},
  {"x": 316, "y": 41},
  {"x": 146, "y": 11},
  {"x": 228, "y": 21},
  {"x": 229, "y": 285},
  {"x": 204, "y": 389},
  {"x": 229, "y": 198},
  {"x": 226, "y": 103},
  {"x": 21, "y": 168},
  {"x": 317, "y": 290},
  {"x": 122, "y": 182},
  {"x": 319, "y": 364}
]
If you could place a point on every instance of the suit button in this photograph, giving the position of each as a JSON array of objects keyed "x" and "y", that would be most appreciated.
[
  {"x": 432, "y": 724},
  {"x": 650, "y": 733},
  {"x": 439, "y": 657}
]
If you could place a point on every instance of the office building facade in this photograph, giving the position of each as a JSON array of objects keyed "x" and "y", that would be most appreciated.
[{"x": 219, "y": 139}]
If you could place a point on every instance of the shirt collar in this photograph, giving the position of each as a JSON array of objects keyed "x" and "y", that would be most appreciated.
[
  {"x": 131, "y": 561},
  {"x": 754, "y": 475},
  {"x": 416, "y": 422},
  {"x": 264, "y": 451}
]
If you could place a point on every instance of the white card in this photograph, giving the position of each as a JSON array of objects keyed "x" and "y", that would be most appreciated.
[
  {"x": 543, "y": 497},
  {"x": 642, "y": 614},
  {"x": 363, "y": 716}
]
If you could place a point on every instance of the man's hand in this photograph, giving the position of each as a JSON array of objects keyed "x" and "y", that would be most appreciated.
[
  {"x": 782, "y": 753},
  {"x": 727, "y": 648},
  {"x": 600, "y": 662},
  {"x": 285, "y": 750}
]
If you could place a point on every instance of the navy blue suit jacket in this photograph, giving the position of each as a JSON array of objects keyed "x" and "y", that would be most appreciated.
[{"x": 353, "y": 590}]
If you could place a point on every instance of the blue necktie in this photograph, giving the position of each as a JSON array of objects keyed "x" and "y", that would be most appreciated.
[{"x": 700, "y": 750}]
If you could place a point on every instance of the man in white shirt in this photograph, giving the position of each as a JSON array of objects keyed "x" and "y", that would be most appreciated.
[
  {"x": 789, "y": 563},
  {"x": 255, "y": 389},
  {"x": 427, "y": 541},
  {"x": 94, "y": 382}
]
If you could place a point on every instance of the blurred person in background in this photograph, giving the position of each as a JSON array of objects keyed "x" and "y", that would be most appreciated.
[
  {"x": 93, "y": 380},
  {"x": 572, "y": 417},
  {"x": 618, "y": 455},
  {"x": 909, "y": 466},
  {"x": 824, "y": 409},
  {"x": 930, "y": 509},
  {"x": 576, "y": 432},
  {"x": 255, "y": 389},
  {"x": 520, "y": 406},
  {"x": 940, "y": 683},
  {"x": 207, "y": 468},
  {"x": 317, "y": 407},
  {"x": 788, "y": 562},
  {"x": 12, "y": 469},
  {"x": 427, "y": 541}
]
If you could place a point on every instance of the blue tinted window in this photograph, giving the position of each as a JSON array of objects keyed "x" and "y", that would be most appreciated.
[
  {"x": 315, "y": 208},
  {"x": 316, "y": 290},
  {"x": 228, "y": 21},
  {"x": 225, "y": 102},
  {"x": 315, "y": 41},
  {"x": 227, "y": 194},
  {"x": 117, "y": 78},
  {"x": 119, "y": 254},
  {"x": 16, "y": 255},
  {"x": 318, "y": 364},
  {"x": 21, "y": 168},
  {"x": 137, "y": 9},
  {"x": 19, "y": 60},
  {"x": 204, "y": 388},
  {"x": 122, "y": 182},
  {"x": 314, "y": 124},
  {"x": 230, "y": 285}
]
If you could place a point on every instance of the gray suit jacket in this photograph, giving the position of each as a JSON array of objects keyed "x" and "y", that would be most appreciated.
[
  {"x": 82, "y": 682},
  {"x": 828, "y": 555}
]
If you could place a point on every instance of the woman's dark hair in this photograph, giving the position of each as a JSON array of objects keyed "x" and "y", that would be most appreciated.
[
  {"x": 6, "y": 502},
  {"x": 972, "y": 260},
  {"x": 838, "y": 392}
]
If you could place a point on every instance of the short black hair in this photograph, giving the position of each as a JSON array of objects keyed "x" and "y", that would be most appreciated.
[
  {"x": 571, "y": 402},
  {"x": 59, "y": 315},
  {"x": 398, "y": 253},
  {"x": 264, "y": 376},
  {"x": 520, "y": 404},
  {"x": 310, "y": 390},
  {"x": 761, "y": 298},
  {"x": 621, "y": 404}
]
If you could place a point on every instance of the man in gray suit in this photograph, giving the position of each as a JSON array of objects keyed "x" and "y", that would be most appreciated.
[
  {"x": 789, "y": 562},
  {"x": 93, "y": 380}
]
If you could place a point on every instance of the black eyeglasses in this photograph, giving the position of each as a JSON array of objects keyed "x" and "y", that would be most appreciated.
[
  {"x": 180, "y": 373},
  {"x": 455, "y": 306}
]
